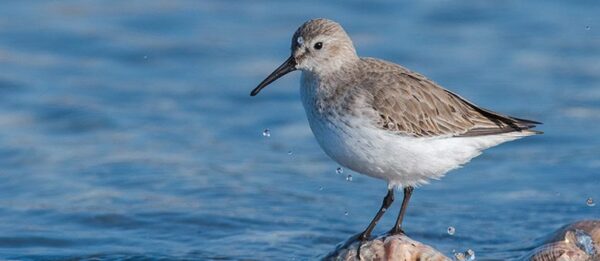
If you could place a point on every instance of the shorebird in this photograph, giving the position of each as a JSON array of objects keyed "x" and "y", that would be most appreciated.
[{"x": 382, "y": 120}]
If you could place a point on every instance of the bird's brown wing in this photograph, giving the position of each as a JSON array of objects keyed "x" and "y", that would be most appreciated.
[{"x": 409, "y": 103}]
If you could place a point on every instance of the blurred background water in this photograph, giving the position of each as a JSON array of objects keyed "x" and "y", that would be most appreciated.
[{"x": 127, "y": 131}]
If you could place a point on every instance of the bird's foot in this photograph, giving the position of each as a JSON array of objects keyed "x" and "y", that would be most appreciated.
[
  {"x": 396, "y": 231},
  {"x": 361, "y": 238}
]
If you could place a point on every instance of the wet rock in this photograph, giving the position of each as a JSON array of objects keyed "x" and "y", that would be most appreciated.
[
  {"x": 579, "y": 241},
  {"x": 386, "y": 247}
]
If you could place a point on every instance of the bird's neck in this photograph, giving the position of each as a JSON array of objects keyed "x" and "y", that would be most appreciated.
[
  {"x": 319, "y": 89},
  {"x": 315, "y": 90}
]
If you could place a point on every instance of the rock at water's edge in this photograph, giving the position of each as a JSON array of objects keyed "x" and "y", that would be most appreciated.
[
  {"x": 579, "y": 241},
  {"x": 387, "y": 247}
]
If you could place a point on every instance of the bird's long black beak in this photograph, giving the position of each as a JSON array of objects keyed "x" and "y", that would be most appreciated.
[{"x": 288, "y": 66}]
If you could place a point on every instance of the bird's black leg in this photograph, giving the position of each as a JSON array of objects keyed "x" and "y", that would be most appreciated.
[
  {"x": 398, "y": 226},
  {"x": 387, "y": 201}
]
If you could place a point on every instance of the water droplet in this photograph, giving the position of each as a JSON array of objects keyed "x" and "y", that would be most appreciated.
[
  {"x": 145, "y": 57},
  {"x": 590, "y": 202},
  {"x": 345, "y": 212},
  {"x": 320, "y": 188},
  {"x": 290, "y": 152},
  {"x": 451, "y": 230},
  {"x": 349, "y": 177},
  {"x": 468, "y": 255},
  {"x": 587, "y": 27},
  {"x": 339, "y": 170},
  {"x": 267, "y": 133}
]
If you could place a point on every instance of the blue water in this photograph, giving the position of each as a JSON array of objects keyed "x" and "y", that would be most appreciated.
[{"x": 127, "y": 131}]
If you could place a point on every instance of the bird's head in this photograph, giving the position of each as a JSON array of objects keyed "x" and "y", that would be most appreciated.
[{"x": 319, "y": 46}]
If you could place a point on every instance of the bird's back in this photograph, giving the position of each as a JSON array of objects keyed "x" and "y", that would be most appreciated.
[{"x": 408, "y": 103}]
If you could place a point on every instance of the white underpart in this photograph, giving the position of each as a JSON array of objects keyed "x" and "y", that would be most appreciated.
[{"x": 401, "y": 160}]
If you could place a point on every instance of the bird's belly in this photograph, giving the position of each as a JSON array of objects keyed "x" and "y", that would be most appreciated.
[
  {"x": 400, "y": 160},
  {"x": 348, "y": 145}
]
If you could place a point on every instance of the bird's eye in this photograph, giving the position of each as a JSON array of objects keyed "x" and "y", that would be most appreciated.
[{"x": 318, "y": 45}]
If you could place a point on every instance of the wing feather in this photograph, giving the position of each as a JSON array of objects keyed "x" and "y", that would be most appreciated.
[{"x": 411, "y": 104}]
